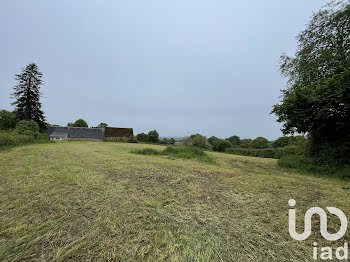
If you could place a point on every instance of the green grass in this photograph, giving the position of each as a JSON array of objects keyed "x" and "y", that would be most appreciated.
[{"x": 85, "y": 201}]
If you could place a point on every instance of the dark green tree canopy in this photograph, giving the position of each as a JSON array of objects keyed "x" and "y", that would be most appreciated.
[
  {"x": 27, "y": 95},
  {"x": 235, "y": 140},
  {"x": 153, "y": 136},
  {"x": 102, "y": 125},
  {"x": 78, "y": 123},
  {"x": 142, "y": 137},
  {"x": 260, "y": 142},
  {"x": 317, "y": 99},
  {"x": 7, "y": 119}
]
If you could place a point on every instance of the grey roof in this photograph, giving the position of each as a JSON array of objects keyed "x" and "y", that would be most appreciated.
[
  {"x": 84, "y": 132},
  {"x": 75, "y": 132},
  {"x": 59, "y": 134}
]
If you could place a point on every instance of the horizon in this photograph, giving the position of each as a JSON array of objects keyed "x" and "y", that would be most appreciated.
[{"x": 180, "y": 68}]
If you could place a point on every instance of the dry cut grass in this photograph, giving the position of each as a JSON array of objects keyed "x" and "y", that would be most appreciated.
[{"x": 85, "y": 201}]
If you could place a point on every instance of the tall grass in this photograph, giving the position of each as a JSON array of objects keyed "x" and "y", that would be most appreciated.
[{"x": 186, "y": 152}]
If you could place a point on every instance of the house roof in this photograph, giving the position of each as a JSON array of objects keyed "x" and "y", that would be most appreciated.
[
  {"x": 59, "y": 134},
  {"x": 118, "y": 132},
  {"x": 75, "y": 132},
  {"x": 84, "y": 132}
]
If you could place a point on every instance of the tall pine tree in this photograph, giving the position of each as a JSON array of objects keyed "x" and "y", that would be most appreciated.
[{"x": 27, "y": 95}]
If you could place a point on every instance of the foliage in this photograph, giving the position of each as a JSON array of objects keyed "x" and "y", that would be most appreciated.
[
  {"x": 186, "y": 152},
  {"x": 245, "y": 143},
  {"x": 7, "y": 120},
  {"x": 102, "y": 125},
  {"x": 260, "y": 142},
  {"x": 309, "y": 165},
  {"x": 153, "y": 136},
  {"x": 288, "y": 140},
  {"x": 317, "y": 99},
  {"x": 166, "y": 141},
  {"x": 27, "y": 95},
  {"x": 235, "y": 140},
  {"x": 28, "y": 128},
  {"x": 213, "y": 139},
  {"x": 70, "y": 124},
  {"x": 10, "y": 138},
  {"x": 79, "y": 123},
  {"x": 142, "y": 137},
  {"x": 291, "y": 150},
  {"x": 196, "y": 140},
  {"x": 221, "y": 145}
]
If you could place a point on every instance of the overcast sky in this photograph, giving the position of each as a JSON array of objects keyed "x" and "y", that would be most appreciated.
[{"x": 181, "y": 67}]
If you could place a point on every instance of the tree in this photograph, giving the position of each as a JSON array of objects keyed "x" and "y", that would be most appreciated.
[
  {"x": 221, "y": 145},
  {"x": 317, "y": 99},
  {"x": 80, "y": 123},
  {"x": 142, "y": 137},
  {"x": 28, "y": 128},
  {"x": 153, "y": 136},
  {"x": 70, "y": 124},
  {"x": 102, "y": 125},
  {"x": 213, "y": 139},
  {"x": 198, "y": 140},
  {"x": 283, "y": 141},
  {"x": 235, "y": 140},
  {"x": 7, "y": 119},
  {"x": 27, "y": 95},
  {"x": 260, "y": 142},
  {"x": 246, "y": 143}
]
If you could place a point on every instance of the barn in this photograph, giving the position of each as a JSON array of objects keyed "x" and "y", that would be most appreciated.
[{"x": 58, "y": 133}]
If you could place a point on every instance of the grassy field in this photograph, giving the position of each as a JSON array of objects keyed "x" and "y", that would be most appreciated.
[{"x": 85, "y": 201}]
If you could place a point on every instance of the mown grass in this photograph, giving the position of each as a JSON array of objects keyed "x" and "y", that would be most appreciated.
[
  {"x": 85, "y": 201},
  {"x": 187, "y": 152}
]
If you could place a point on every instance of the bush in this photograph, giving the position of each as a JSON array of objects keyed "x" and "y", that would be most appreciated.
[
  {"x": 222, "y": 145},
  {"x": 7, "y": 120},
  {"x": 142, "y": 137},
  {"x": 28, "y": 128},
  {"x": 196, "y": 140},
  {"x": 13, "y": 138},
  {"x": 277, "y": 153}
]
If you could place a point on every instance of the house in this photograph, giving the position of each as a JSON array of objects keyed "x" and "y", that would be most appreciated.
[{"x": 58, "y": 133}]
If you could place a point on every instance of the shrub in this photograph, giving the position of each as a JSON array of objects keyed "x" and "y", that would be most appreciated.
[
  {"x": 222, "y": 145},
  {"x": 147, "y": 151},
  {"x": 142, "y": 137},
  {"x": 28, "y": 128},
  {"x": 7, "y": 120},
  {"x": 13, "y": 138},
  {"x": 245, "y": 143},
  {"x": 260, "y": 142}
]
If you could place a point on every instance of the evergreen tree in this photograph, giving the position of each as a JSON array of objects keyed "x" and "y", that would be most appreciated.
[{"x": 27, "y": 95}]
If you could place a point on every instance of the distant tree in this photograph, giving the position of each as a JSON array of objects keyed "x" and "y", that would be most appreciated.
[
  {"x": 260, "y": 142},
  {"x": 102, "y": 125},
  {"x": 246, "y": 143},
  {"x": 235, "y": 140},
  {"x": 283, "y": 141},
  {"x": 153, "y": 136},
  {"x": 27, "y": 95},
  {"x": 317, "y": 98},
  {"x": 221, "y": 145},
  {"x": 70, "y": 124},
  {"x": 213, "y": 139},
  {"x": 80, "y": 123},
  {"x": 27, "y": 127},
  {"x": 199, "y": 140},
  {"x": 142, "y": 137},
  {"x": 7, "y": 119},
  {"x": 171, "y": 141}
]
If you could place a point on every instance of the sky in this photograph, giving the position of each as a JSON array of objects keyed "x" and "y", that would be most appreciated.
[{"x": 180, "y": 67}]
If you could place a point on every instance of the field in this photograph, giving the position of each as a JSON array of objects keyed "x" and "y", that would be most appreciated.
[{"x": 86, "y": 201}]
